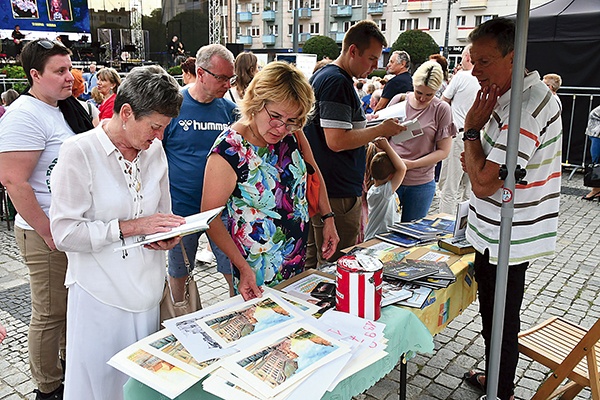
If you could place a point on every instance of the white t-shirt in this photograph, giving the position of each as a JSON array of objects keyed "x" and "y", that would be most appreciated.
[
  {"x": 383, "y": 209},
  {"x": 32, "y": 125},
  {"x": 462, "y": 91}
]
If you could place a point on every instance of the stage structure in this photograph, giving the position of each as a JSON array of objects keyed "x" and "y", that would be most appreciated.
[
  {"x": 119, "y": 47},
  {"x": 45, "y": 15}
]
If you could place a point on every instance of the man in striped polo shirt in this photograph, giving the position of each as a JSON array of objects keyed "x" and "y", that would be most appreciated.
[{"x": 536, "y": 202}]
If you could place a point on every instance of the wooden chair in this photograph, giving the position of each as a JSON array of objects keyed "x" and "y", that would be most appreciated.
[{"x": 566, "y": 349}]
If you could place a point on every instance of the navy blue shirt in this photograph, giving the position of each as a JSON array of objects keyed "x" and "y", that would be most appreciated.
[
  {"x": 337, "y": 106},
  {"x": 401, "y": 83}
]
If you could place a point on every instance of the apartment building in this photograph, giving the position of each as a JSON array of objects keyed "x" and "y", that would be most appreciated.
[{"x": 266, "y": 26}]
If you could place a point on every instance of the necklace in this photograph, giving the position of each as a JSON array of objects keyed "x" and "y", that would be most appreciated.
[{"x": 260, "y": 139}]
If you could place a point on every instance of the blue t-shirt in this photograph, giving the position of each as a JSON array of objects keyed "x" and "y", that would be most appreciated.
[
  {"x": 337, "y": 106},
  {"x": 187, "y": 141},
  {"x": 401, "y": 83}
]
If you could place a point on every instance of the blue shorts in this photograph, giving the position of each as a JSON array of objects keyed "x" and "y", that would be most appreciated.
[{"x": 177, "y": 267}]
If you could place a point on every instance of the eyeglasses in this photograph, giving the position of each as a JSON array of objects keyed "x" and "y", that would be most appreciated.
[
  {"x": 278, "y": 123},
  {"x": 222, "y": 78},
  {"x": 48, "y": 44}
]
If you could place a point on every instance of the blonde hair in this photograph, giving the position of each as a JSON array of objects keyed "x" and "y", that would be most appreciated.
[
  {"x": 554, "y": 80},
  {"x": 429, "y": 74},
  {"x": 278, "y": 82}
]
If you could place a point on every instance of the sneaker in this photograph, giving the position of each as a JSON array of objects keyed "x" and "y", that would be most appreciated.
[
  {"x": 205, "y": 256},
  {"x": 55, "y": 395}
]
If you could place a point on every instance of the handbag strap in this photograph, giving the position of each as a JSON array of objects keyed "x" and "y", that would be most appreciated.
[{"x": 186, "y": 260}]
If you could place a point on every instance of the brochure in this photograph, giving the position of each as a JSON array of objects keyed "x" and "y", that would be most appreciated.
[
  {"x": 398, "y": 239},
  {"x": 193, "y": 223}
]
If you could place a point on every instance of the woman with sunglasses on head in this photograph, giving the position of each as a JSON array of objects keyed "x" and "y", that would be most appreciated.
[
  {"x": 257, "y": 168},
  {"x": 31, "y": 134},
  {"x": 108, "y": 84}
]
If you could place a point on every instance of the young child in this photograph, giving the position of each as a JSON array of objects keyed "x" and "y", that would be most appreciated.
[{"x": 387, "y": 170}]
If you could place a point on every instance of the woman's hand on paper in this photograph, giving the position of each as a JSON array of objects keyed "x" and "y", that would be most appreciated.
[
  {"x": 247, "y": 285},
  {"x": 151, "y": 224}
]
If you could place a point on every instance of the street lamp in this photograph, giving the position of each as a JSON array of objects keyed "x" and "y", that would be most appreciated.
[{"x": 446, "y": 38}]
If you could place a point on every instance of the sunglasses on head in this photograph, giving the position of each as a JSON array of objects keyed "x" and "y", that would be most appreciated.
[{"x": 48, "y": 44}]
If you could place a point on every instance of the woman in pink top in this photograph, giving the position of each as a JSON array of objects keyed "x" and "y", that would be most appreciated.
[
  {"x": 108, "y": 83},
  {"x": 422, "y": 153}
]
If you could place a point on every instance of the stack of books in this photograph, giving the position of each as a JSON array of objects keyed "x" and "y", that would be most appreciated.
[{"x": 408, "y": 234}]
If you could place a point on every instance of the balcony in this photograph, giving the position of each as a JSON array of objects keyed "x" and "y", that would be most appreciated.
[
  {"x": 244, "y": 16},
  {"x": 268, "y": 15},
  {"x": 246, "y": 40},
  {"x": 303, "y": 37},
  {"x": 463, "y": 32},
  {"x": 473, "y": 4},
  {"x": 268, "y": 40},
  {"x": 416, "y": 6},
  {"x": 375, "y": 8},
  {"x": 337, "y": 36},
  {"x": 341, "y": 11},
  {"x": 304, "y": 13}
]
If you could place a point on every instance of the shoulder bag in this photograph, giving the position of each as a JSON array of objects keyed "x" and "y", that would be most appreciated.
[
  {"x": 591, "y": 175},
  {"x": 191, "y": 298},
  {"x": 313, "y": 184}
]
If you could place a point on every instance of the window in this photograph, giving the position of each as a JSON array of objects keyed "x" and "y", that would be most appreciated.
[
  {"x": 333, "y": 27},
  {"x": 254, "y": 31},
  {"x": 434, "y": 24},
  {"x": 314, "y": 28},
  {"x": 461, "y": 20},
  {"x": 480, "y": 19},
  {"x": 408, "y": 24},
  {"x": 315, "y": 4},
  {"x": 273, "y": 30},
  {"x": 254, "y": 8},
  {"x": 348, "y": 25},
  {"x": 291, "y": 5},
  {"x": 382, "y": 24},
  {"x": 340, "y": 2},
  {"x": 290, "y": 29},
  {"x": 356, "y": 3},
  {"x": 271, "y": 5}
]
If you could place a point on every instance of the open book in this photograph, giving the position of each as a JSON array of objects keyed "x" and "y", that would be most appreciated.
[
  {"x": 398, "y": 110},
  {"x": 194, "y": 223}
]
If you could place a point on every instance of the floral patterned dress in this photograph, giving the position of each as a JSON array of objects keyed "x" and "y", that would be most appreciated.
[{"x": 267, "y": 213}]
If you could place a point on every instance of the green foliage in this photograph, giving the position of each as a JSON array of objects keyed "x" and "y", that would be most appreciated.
[
  {"x": 176, "y": 70},
  {"x": 377, "y": 72},
  {"x": 15, "y": 72},
  {"x": 418, "y": 44},
  {"x": 322, "y": 46}
]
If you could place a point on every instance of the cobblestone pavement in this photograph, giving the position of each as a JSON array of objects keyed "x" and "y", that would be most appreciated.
[{"x": 567, "y": 284}]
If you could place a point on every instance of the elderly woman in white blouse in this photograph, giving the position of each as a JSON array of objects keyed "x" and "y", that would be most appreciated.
[{"x": 110, "y": 188}]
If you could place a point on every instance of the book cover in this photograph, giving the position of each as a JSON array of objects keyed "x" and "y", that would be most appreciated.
[
  {"x": 406, "y": 271},
  {"x": 419, "y": 295},
  {"x": 458, "y": 246},
  {"x": 398, "y": 239}
]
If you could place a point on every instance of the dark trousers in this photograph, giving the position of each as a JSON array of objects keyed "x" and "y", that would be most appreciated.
[{"x": 485, "y": 274}]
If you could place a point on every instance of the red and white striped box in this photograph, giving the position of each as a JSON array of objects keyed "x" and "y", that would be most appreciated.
[{"x": 358, "y": 288}]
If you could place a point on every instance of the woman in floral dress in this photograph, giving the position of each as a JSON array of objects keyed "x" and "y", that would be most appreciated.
[{"x": 258, "y": 169}]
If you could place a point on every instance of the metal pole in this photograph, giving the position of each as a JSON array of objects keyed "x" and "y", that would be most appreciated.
[
  {"x": 507, "y": 210},
  {"x": 447, "y": 37},
  {"x": 295, "y": 27}
]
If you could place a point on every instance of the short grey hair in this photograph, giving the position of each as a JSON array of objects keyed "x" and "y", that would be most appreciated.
[
  {"x": 429, "y": 74},
  {"x": 149, "y": 89},
  {"x": 206, "y": 53},
  {"x": 401, "y": 55}
]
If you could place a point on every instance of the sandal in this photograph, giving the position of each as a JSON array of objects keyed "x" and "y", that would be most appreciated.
[{"x": 472, "y": 378}]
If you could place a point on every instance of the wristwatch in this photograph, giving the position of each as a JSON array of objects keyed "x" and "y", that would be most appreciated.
[
  {"x": 328, "y": 215},
  {"x": 472, "y": 134}
]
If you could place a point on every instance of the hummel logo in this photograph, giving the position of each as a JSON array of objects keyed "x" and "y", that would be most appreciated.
[{"x": 185, "y": 124}]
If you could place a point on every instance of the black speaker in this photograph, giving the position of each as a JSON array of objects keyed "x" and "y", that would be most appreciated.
[{"x": 235, "y": 48}]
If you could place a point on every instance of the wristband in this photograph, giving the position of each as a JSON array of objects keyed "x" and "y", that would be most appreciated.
[{"x": 328, "y": 215}]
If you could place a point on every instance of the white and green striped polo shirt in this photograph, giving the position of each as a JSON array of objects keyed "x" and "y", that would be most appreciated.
[{"x": 536, "y": 203}]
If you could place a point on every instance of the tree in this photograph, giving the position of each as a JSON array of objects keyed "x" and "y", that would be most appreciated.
[
  {"x": 322, "y": 46},
  {"x": 157, "y": 32},
  {"x": 418, "y": 44},
  {"x": 192, "y": 29}
]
